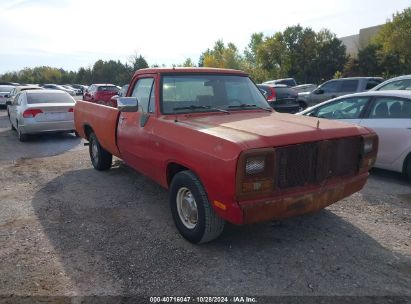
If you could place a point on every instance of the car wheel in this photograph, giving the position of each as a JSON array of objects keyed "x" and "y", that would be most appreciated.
[
  {"x": 303, "y": 105},
  {"x": 100, "y": 158},
  {"x": 192, "y": 213},
  {"x": 11, "y": 124},
  {"x": 408, "y": 168},
  {"x": 22, "y": 137}
]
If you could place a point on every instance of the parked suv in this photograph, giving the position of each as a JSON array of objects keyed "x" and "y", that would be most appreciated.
[
  {"x": 101, "y": 93},
  {"x": 337, "y": 87}
]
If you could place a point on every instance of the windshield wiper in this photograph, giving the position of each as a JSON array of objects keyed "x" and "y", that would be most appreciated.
[
  {"x": 194, "y": 107},
  {"x": 245, "y": 105}
]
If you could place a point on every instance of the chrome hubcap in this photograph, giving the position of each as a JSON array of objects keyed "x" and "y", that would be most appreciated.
[{"x": 187, "y": 208}]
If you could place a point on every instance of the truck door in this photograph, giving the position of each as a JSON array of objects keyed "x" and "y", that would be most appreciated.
[{"x": 135, "y": 129}]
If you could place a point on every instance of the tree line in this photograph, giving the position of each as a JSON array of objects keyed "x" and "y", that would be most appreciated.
[{"x": 298, "y": 52}]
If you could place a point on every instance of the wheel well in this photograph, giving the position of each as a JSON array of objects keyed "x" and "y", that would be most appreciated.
[
  {"x": 172, "y": 170},
  {"x": 87, "y": 131}
]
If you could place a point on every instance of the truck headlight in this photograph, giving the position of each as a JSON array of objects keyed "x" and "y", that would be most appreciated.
[
  {"x": 255, "y": 173},
  {"x": 255, "y": 165},
  {"x": 368, "y": 145},
  {"x": 369, "y": 152}
]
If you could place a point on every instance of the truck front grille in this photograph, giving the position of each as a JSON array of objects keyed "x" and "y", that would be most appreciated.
[{"x": 315, "y": 162}]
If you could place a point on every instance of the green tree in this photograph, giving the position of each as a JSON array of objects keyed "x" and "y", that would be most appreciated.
[
  {"x": 222, "y": 56},
  {"x": 329, "y": 58},
  {"x": 188, "y": 63},
  {"x": 395, "y": 41}
]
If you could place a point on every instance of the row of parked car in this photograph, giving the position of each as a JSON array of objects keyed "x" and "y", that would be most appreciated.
[{"x": 36, "y": 109}]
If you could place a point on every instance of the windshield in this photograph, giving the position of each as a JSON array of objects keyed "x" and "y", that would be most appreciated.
[
  {"x": 48, "y": 97},
  {"x": 200, "y": 93}
]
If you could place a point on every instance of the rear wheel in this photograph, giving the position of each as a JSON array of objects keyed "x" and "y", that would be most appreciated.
[
  {"x": 11, "y": 124},
  {"x": 22, "y": 137},
  {"x": 192, "y": 213},
  {"x": 100, "y": 158},
  {"x": 407, "y": 170}
]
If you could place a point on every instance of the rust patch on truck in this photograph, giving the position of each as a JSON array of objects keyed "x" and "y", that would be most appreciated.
[{"x": 294, "y": 205}]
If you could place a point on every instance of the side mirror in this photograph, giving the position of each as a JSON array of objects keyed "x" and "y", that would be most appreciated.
[
  {"x": 319, "y": 91},
  {"x": 127, "y": 104}
]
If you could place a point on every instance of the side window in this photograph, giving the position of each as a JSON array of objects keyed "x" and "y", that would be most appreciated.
[
  {"x": 372, "y": 83},
  {"x": 143, "y": 91},
  {"x": 331, "y": 86},
  {"x": 349, "y": 85},
  {"x": 16, "y": 99},
  {"x": 347, "y": 108},
  {"x": 391, "y": 107},
  {"x": 403, "y": 84}
]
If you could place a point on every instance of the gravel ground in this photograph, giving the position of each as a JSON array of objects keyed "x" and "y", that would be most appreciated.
[{"x": 66, "y": 229}]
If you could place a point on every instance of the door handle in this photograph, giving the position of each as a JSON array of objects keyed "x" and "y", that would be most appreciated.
[{"x": 122, "y": 118}]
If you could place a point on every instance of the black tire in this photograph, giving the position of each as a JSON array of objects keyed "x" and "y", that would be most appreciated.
[
  {"x": 302, "y": 104},
  {"x": 407, "y": 169},
  {"x": 11, "y": 124},
  {"x": 100, "y": 158},
  {"x": 21, "y": 136},
  {"x": 209, "y": 225}
]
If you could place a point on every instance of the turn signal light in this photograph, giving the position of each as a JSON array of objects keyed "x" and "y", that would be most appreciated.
[
  {"x": 30, "y": 113},
  {"x": 71, "y": 110}
]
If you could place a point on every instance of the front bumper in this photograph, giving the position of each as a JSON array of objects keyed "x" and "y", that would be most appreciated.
[{"x": 303, "y": 202}]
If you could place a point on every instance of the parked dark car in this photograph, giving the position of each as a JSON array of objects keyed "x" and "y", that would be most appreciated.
[
  {"x": 337, "y": 87},
  {"x": 281, "y": 97}
]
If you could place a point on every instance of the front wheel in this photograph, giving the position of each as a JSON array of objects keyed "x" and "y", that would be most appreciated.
[
  {"x": 192, "y": 213},
  {"x": 100, "y": 158}
]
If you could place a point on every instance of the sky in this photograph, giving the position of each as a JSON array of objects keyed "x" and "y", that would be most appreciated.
[{"x": 71, "y": 34}]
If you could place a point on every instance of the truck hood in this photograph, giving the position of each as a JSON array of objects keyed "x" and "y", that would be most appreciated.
[{"x": 258, "y": 129}]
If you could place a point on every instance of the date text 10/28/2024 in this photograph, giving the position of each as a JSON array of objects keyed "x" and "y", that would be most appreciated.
[{"x": 206, "y": 299}]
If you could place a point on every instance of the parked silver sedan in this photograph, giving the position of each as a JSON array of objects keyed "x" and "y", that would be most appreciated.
[{"x": 38, "y": 111}]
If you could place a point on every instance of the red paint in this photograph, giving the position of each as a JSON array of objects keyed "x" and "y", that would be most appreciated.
[{"x": 209, "y": 144}]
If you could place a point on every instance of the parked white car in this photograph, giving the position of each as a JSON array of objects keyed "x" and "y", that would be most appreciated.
[
  {"x": 38, "y": 111},
  {"x": 396, "y": 83},
  {"x": 5, "y": 93},
  {"x": 18, "y": 89},
  {"x": 388, "y": 113}
]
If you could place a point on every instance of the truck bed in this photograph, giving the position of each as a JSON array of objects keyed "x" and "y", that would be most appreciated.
[{"x": 100, "y": 119}]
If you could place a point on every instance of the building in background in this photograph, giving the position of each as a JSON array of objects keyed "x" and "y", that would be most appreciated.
[{"x": 354, "y": 43}]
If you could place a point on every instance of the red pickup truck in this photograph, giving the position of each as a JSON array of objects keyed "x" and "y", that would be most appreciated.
[{"x": 209, "y": 136}]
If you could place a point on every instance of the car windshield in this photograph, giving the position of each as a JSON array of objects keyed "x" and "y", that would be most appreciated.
[
  {"x": 202, "y": 93},
  {"x": 48, "y": 97}
]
